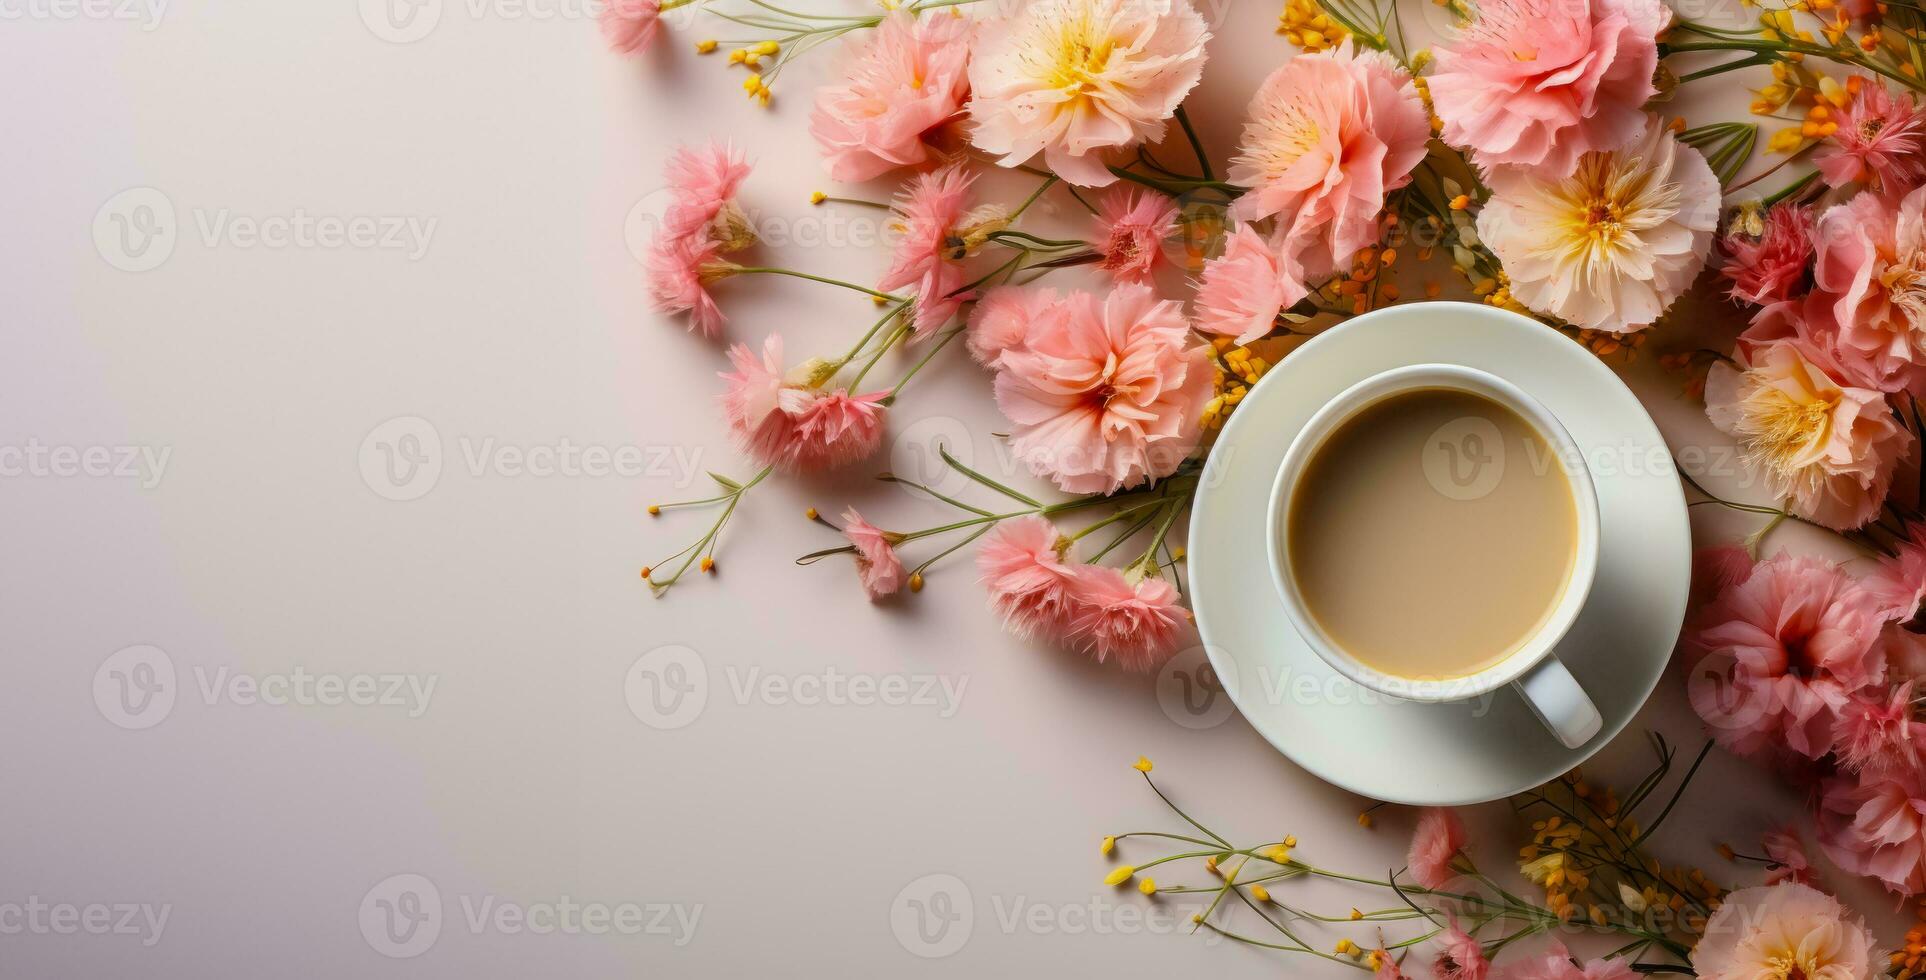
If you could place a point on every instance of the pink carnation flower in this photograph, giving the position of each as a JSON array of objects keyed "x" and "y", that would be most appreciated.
[
  {"x": 680, "y": 271},
  {"x": 1876, "y": 826},
  {"x": 899, "y": 87},
  {"x": 1770, "y": 267},
  {"x": 1875, "y": 733},
  {"x": 1434, "y": 845},
  {"x": 877, "y": 566},
  {"x": 1132, "y": 225},
  {"x": 704, "y": 181},
  {"x": 1138, "y": 624},
  {"x": 1074, "y": 80},
  {"x": 1007, "y": 316},
  {"x": 1868, "y": 302},
  {"x": 1880, "y": 141},
  {"x": 1111, "y": 400},
  {"x": 1898, "y": 585},
  {"x": 1460, "y": 957},
  {"x": 1782, "y": 651},
  {"x": 1539, "y": 83},
  {"x": 1830, "y": 447},
  {"x": 629, "y": 25},
  {"x": 1788, "y": 857},
  {"x": 1783, "y": 931},
  {"x": 1245, "y": 288},
  {"x": 791, "y": 425},
  {"x": 1555, "y": 963},
  {"x": 1030, "y": 586},
  {"x": 1328, "y": 136},
  {"x": 937, "y": 232}
]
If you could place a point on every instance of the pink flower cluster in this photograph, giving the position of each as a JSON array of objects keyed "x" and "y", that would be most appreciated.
[
  {"x": 701, "y": 225},
  {"x": 1039, "y": 592},
  {"x": 793, "y": 424}
]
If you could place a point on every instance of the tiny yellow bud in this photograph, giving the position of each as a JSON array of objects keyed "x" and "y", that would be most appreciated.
[
  {"x": 811, "y": 514},
  {"x": 916, "y": 582},
  {"x": 1109, "y": 844},
  {"x": 654, "y": 510},
  {"x": 1120, "y": 875},
  {"x": 736, "y": 57},
  {"x": 766, "y": 47},
  {"x": 1461, "y": 202},
  {"x": 1364, "y": 819},
  {"x": 1290, "y": 840},
  {"x": 1260, "y": 893},
  {"x": 751, "y": 84},
  {"x": 1375, "y": 960},
  {"x": 1141, "y": 765},
  {"x": 817, "y": 197},
  {"x": 1148, "y": 886},
  {"x": 1725, "y": 851},
  {"x": 705, "y": 47},
  {"x": 1345, "y": 947},
  {"x": 752, "y": 60},
  {"x": 645, "y": 572},
  {"x": 1356, "y": 915}
]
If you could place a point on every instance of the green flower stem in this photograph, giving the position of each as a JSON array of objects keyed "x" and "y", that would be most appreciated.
[
  {"x": 706, "y": 545},
  {"x": 952, "y": 549},
  {"x": 871, "y": 333},
  {"x": 1176, "y": 187},
  {"x": 769, "y": 271},
  {"x": 1048, "y": 182},
  {"x": 1721, "y": 41},
  {"x": 1196, "y": 145},
  {"x": 888, "y": 342},
  {"x": 935, "y": 348}
]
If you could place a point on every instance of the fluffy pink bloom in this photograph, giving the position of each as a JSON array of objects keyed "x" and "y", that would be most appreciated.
[
  {"x": 1460, "y": 957},
  {"x": 792, "y": 425},
  {"x": 1132, "y": 224},
  {"x": 704, "y": 181},
  {"x": 1880, "y": 141},
  {"x": 1769, "y": 267},
  {"x": 1788, "y": 857},
  {"x": 1876, "y": 826},
  {"x": 1328, "y": 135},
  {"x": 1075, "y": 80},
  {"x": 1905, "y": 653},
  {"x": 1539, "y": 83},
  {"x": 1898, "y": 585},
  {"x": 1830, "y": 447},
  {"x": 1112, "y": 399},
  {"x": 1875, "y": 732},
  {"x": 1782, "y": 651},
  {"x": 937, "y": 231},
  {"x": 1245, "y": 288},
  {"x": 1868, "y": 302},
  {"x": 877, "y": 566},
  {"x": 1138, "y": 624},
  {"x": 898, "y": 88},
  {"x": 1030, "y": 586},
  {"x": 1555, "y": 963},
  {"x": 1434, "y": 845},
  {"x": 679, "y": 273},
  {"x": 1007, "y": 316},
  {"x": 629, "y": 25},
  {"x": 1783, "y": 931}
]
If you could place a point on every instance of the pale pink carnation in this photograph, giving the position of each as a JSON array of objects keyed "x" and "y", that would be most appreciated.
[
  {"x": 1075, "y": 80},
  {"x": 1139, "y": 625},
  {"x": 1244, "y": 289},
  {"x": 1898, "y": 585},
  {"x": 1875, "y": 733},
  {"x": 1439, "y": 837},
  {"x": 1788, "y": 857},
  {"x": 1132, "y": 224},
  {"x": 791, "y": 425},
  {"x": 1022, "y": 563},
  {"x": 877, "y": 566},
  {"x": 931, "y": 217},
  {"x": 898, "y": 88},
  {"x": 1111, "y": 400},
  {"x": 1830, "y": 447},
  {"x": 1007, "y": 316},
  {"x": 679, "y": 272},
  {"x": 1881, "y": 142},
  {"x": 1460, "y": 957},
  {"x": 629, "y": 25},
  {"x": 1555, "y": 963},
  {"x": 1770, "y": 267},
  {"x": 1786, "y": 930},
  {"x": 703, "y": 181},
  {"x": 1781, "y": 653},
  {"x": 1539, "y": 83},
  {"x": 837, "y": 428},
  {"x": 1868, "y": 301},
  {"x": 1328, "y": 135},
  {"x": 1876, "y": 826}
]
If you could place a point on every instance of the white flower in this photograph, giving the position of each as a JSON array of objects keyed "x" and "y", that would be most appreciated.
[{"x": 1611, "y": 246}]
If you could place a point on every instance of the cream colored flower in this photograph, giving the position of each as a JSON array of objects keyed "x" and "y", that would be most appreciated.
[
  {"x": 1611, "y": 246},
  {"x": 1786, "y": 930}
]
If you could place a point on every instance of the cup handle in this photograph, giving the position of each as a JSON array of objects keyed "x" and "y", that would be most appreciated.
[{"x": 1558, "y": 701}]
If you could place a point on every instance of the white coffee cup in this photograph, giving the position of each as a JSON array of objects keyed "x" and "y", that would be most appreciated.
[{"x": 1533, "y": 668}]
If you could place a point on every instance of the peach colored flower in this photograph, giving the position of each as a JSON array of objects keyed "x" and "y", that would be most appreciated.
[
  {"x": 1138, "y": 623},
  {"x": 1831, "y": 448},
  {"x": 1875, "y": 734},
  {"x": 1612, "y": 245},
  {"x": 791, "y": 424},
  {"x": 877, "y": 566},
  {"x": 1539, "y": 83},
  {"x": 1780, "y": 654},
  {"x": 1245, "y": 288},
  {"x": 1868, "y": 301},
  {"x": 629, "y": 25},
  {"x": 1786, "y": 930},
  {"x": 897, "y": 89},
  {"x": 1007, "y": 316},
  {"x": 1112, "y": 399},
  {"x": 1074, "y": 80},
  {"x": 1770, "y": 266},
  {"x": 1898, "y": 585},
  {"x": 1435, "y": 844},
  {"x": 1327, "y": 136},
  {"x": 1879, "y": 142},
  {"x": 1132, "y": 224},
  {"x": 680, "y": 271},
  {"x": 1460, "y": 957},
  {"x": 1788, "y": 857},
  {"x": 1555, "y": 963},
  {"x": 1876, "y": 826},
  {"x": 937, "y": 232},
  {"x": 1022, "y": 563}
]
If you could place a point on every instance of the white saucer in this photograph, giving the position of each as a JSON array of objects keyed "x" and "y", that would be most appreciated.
[{"x": 1442, "y": 754}]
